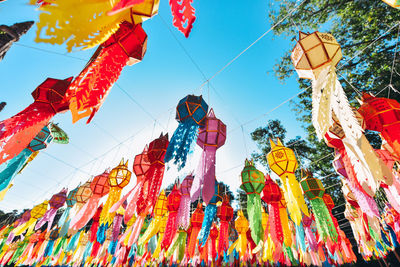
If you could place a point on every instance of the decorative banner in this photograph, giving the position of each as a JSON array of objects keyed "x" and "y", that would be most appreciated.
[
  {"x": 210, "y": 138},
  {"x": 18, "y": 131},
  {"x": 253, "y": 184},
  {"x": 88, "y": 92},
  {"x": 191, "y": 113},
  {"x": 11, "y": 34},
  {"x": 183, "y": 14}
]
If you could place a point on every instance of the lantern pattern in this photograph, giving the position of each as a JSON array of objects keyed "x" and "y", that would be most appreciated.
[
  {"x": 88, "y": 91},
  {"x": 160, "y": 211},
  {"x": 241, "y": 226},
  {"x": 18, "y": 131},
  {"x": 315, "y": 57},
  {"x": 9, "y": 169},
  {"x": 314, "y": 190},
  {"x": 210, "y": 213},
  {"x": 59, "y": 136},
  {"x": 36, "y": 213},
  {"x": 65, "y": 220},
  {"x": 211, "y": 137},
  {"x": 196, "y": 222},
  {"x": 184, "y": 206},
  {"x": 93, "y": 25},
  {"x": 56, "y": 202},
  {"x": 225, "y": 215},
  {"x": 272, "y": 195},
  {"x": 118, "y": 178},
  {"x": 283, "y": 162},
  {"x": 183, "y": 15},
  {"x": 174, "y": 200},
  {"x": 253, "y": 184},
  {"x": 11, "y": 34},
  {"x": 191, "y": 113},
  {"x": 99, "y": 186}
]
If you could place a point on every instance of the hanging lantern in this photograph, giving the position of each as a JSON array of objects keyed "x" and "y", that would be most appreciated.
[
  {"x": 60, "y": 137},
  {"x": 56, "y": 202},
  {"x": 18, "y": 131},
  {"x": 83, "y": 194},
  {"x": 211, "y": 137},
  {"x": 11, "y": 168},
  {"x": 99, "y": 186},
  {"x": 225, "y": 215},
  {"x": 184, "y": 206},
  {"x": 253, "y": 184},
  {"x": 195, "y": 221},
  {"x": 314, "y": 190},
  {"x": 191, "y": 114},
  {"x": 283, "y": 162},
  {"x": 173, "y": 202},
  {"x": 64, "y": 221},
  {"x": 272, "y": 195},
  {"x": 241, "y": 226},
  {"x": 118, "y": 178},
  {"x": 37, "y": 212},
  {"x": 11, "y": 34},
  {"x": 88, "y": 92}
]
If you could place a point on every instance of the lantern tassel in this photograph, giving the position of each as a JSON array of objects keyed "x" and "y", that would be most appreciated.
[
  {"x": 300, "y": 238},
  {"x": 287, "y": 234},
  {"x": 205, "y": 179},
  {"x": 153, "y": 228},
  {"x": 47, "y": 217},
  {"x": 157, "y": 251},
  {"x": 323, "y": 220},
  {"x": 28, "y": 225},
  {"x": 223, "y": 241},
  {"x": 192, "y": 242},
  {"x": 209, "y": 215},
  {"x": 182, "y": 143},
  {"x": 119, "y": 203},
  {"x": 295, "y": 199},
  {"x": 170, "y": 229},
  {"x": 85, "y": 213},
  {"x": 177, "y": 243},
  {"x": 115, "y": 232},
  {"x": 136, "y": 230},
  {"x": 9, "y": 169},
  {"x": 275, "y": 225},
  {"x": 254, "y": 212}
]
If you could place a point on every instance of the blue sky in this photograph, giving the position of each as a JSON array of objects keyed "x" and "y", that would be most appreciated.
[{"x": 244, "y": 91}]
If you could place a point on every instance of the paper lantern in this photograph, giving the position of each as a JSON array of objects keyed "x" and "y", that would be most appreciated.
[
  {"x": 173, "y": 202},
  {"x": 160, "y": 208},
  {"x": 328, "y": 201},
  {"x": 65, "y": 220},
  {"x": 56, "y": 202},
  {"x": 271, "y": 191},
  {"x": 141, "y": 165},
  {"x": 100, "y": 184},
  {"x": 120, "y": 175},
  {"x": 84, "y": 193},
  {"x": 37, "y": 212},
  {"x": 184, "y": 206},
  {"x": 252, "y": 179},
  {"x": 314, "y": 190},
  {"x": 210, "y": 138},
  {"x": 18, "y": 131},
  {"x": 225, "y": 215},
  {"x": 191, "y": 114},
  {"x": 283, "y": 162},
  {"x": 196, "y": 221},
  {"x": 87, "y": 92}
]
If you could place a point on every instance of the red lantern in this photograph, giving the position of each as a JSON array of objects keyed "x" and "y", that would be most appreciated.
[
  {"x": 173, "y": 202},
  {"x": 141, "y": 165},
  {"x": 100, "y": 185},
  {"x": 271, "y": 191},
  {"x": 328, "y": 201},
  {"x": 196, "y": 222},
  {"x": 225, "y": 214}
]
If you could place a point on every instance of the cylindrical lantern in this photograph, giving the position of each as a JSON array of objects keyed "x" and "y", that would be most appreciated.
[
  {"x": 173, "y": 202},
  {"x": 225, "y": 215}
]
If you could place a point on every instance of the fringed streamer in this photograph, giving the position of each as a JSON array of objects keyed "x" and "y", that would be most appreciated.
[
  {"x": 323, "y": 220},
  {"x": 157, "y": 251},
  {"x": 150, "y": 231},
  {"x": 393, "y": 197},
  {"x": 87, "y": 92},
  {"x": 85, "y": 213},
  {"x": 182, "y": 140},
  {"x": 95, "y": 224},
  {"x": 136, "y": 230},
  {"x": 254, "y": 212},
  {"x": 49, "y": 248},
  {"x": 300, "y": 237},
  {"x": 64, "y": 217},
  {"x": 170, "y": 229},
  {"x": 209, "y": 215},
  {"x": 28, "y": 225},
  {"x": 101, "y": 233},
  {"x": 113, "y": 197},
  {"x": 9, "y": 169},
  {"x": 287, "y": 234},
  {"x": 119, "y": 203},
  {"x": 206, "y": 175},
  {"x": 367, "y": 203},
  {"x": 191, "y": 246},
  {"x": 183, "y": 217},
  {"x": 312, "y": 241},
  {"x": 87, "y": 251},
  {"x": 47, "y": 217},
  {"x": 294, "y": 198},
  {"x": 115, "y": 232},
  {"x": 240, "y": 245},
  {"x": 183, "y": 15},
  {"x": 178, "y": 242},
  {"x": 223, "y": 241},
  {"x": 59, "y": 246},
  {"x": 73, "y": 242}
]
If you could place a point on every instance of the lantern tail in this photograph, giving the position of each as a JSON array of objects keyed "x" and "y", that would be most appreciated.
[
  {"x": 114, "y": 237},
  {"x": 157, "y": 251},
  {"x": 254, "y": 212},
  {"x": 182, "y": 142},
  {"x": 49, "y": 248},
  {"x": 179, "y": 238},
  {"x": 64, "y": 217},
  {"x": 223, "y": 241},
  {"x": 287, "y": 235},
  {"x": 73, "y": 242},
  {"x": 183, "y": 216},
  {"x": 27, "y": 225},
  {"x": 10, "y": 169},
  {"x": 209, "y": 215},
  {"x": 85, "y": 214},
  {"x": 136, "y": 230},
  {"x": 191, "y": 246},
  {"x": 119, "y": 203},
  {"x": 60, "y": 245},
  {"x": 300, "y": 238},
  {"x": 207, "y": 173},
  {"x": 113, "y": 197},
  {"x": 312, "y": 242},
  {"x": 170, "y": 230},
  {"x": 323, "y": 219},
  {"x": 296, "y": 197},
  {"x": 153, "y": 228},
  {"x": 366, "y": 202}
]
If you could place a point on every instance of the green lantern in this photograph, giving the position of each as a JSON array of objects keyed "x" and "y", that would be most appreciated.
[
  {"x": 314, "y": 190},
  {"x": 253, "y": 182}
]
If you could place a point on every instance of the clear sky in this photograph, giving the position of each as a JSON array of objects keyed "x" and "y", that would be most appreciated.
[{"x": 242, "y": 92}]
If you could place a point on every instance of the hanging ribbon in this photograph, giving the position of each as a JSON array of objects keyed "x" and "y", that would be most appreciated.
[{"x": 56, "y": 202}]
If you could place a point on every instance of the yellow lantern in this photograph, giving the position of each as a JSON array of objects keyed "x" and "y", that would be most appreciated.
[
  {"x": 241, "y": 226},
  {"x": 36, "y": 213},
  {"x": 283, "y": 162}
]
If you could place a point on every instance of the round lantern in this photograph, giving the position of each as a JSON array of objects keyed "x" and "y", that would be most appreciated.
[
  {"x": 328, "y": 201},
  {"x": 197, "y": 216},
  {"x": 272, "y": 191},
  {"x": 41, "y": 140},
  {"x": 281, "y": 159},
  {"x": 313, "y": 52},
  {"x": 157, "y": 149},
  {"x": 120, "y": 175},
  {"x": 225, "y": 211},
  {"x": 39, "y": 210},
  {"x": 252, "y": 179},
  {"x": 312, "y": 187},
  {"x": 241, "y": 223},
  {"x": 52, "y": 92},
  {"x": 214, "y": 232},
  {"x": 192, "y": 108},
  {"x": 84, "y": 193},
  {"x": 174, "y": 199},
  {"x": 141, "y": 165},
  {"x": 213, "y": 133},
  {"x": 160, "y": 209},
  {"x": 58, "y": 200},
  {"x": 71, "y": 198},
  {"x": 100, "y": 185}
]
